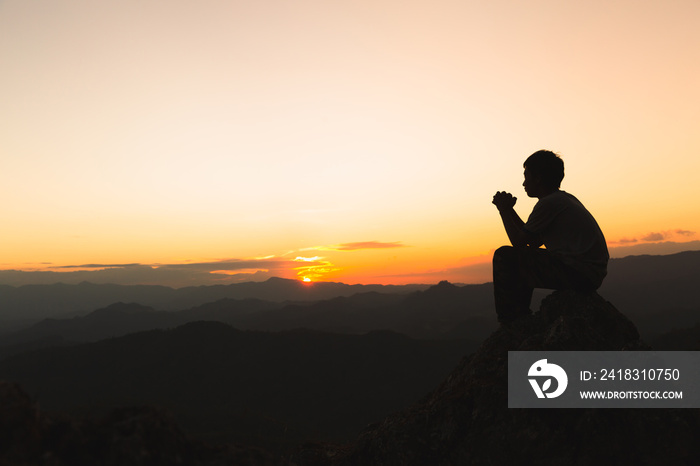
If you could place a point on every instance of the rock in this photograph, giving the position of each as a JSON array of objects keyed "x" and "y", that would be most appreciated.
[
  {"x": 127, "y": 436},
  {"x": 466, "y": 419},
  {"x": 20, "y": 426}
]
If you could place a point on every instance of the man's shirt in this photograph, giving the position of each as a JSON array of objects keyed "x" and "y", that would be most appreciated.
[{"x": 568, "y": 230}]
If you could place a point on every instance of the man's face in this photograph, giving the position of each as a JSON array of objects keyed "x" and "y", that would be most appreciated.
[{"x": 532, "y": 184}]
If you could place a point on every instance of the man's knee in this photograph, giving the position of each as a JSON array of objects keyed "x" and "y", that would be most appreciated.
[
  {"x": 505, "y": 262},
  {"x": 504, "y": 252},
  {"x": 506, "y": 257}
]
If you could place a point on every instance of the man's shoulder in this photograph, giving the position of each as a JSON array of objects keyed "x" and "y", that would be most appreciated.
[
  {"x": 558, "y": 198},
  {"x": 554, "y": 198},
  {"x": 558, "y": 194}
]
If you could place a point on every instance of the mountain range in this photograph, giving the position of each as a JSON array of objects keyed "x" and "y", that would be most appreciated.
[
  {"x": 444, "y": 311},
  {"x": 659, "y": 293},
  {"x": 29, "y": 303}
]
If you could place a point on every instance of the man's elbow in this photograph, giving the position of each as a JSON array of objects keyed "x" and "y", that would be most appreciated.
[
  {"x": 525, "y": 238},
  {"x": 519, "y": 242},
  {"x": 534, "y": 241}
]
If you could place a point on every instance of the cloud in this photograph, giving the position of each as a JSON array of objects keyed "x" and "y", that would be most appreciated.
[
  {"x": 315, "y": 268},
  {"x": 228, "y": 264},
  {"x": 362, "y": 245},
  {"x": 654, "y": 237},
  {"x": 174, "y": 275},
  {"x": 685, "y": 233},
  {"x": 177, "y": 275},
  {"x": 664, "y": 235},
  {"x": 97, "y": 266},
  {"x": 656, "y": 248},
  {"x": 307, "y": 259}
]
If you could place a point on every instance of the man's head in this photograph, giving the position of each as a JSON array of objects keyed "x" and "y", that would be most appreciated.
[{"x": 544, "y": 171}]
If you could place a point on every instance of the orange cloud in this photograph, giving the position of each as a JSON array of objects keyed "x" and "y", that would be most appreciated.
[
  {"x": 316, "y": 268},
  {"x": 655, "y": 236},
  {"x": 362, "y": 245},
  {"x": 685, "y": 232},
  {"x": 239, "y": 272},
  {"x": 173, "y": 274},
  {"x": 307, "y": 259},
  {"x": 660, "y": 236}
]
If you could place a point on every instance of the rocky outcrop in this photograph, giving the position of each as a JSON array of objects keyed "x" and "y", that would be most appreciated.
[
  {"x": 138, "y": 436},
  {"x": 466, "y": 421}
]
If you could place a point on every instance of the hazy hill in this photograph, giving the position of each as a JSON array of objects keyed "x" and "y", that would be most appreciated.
[
  {"x": 256, "y": 387},
  {"x": 443, "y": 311},
  {"x": 649, "y": 283},
  {"x": 433, "y": 313},
  {"x": 121, "y": 319},
  {"x": 659, "y": 293},
  {"x": 59, "y": 300}
]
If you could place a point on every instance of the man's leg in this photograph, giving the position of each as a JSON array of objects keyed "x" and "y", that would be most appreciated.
[
  {"x": 512, "y": 294},
  {"x": 518, "y": 271}
]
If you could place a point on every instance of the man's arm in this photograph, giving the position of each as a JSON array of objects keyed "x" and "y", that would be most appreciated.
[{"x": 515, "y": 227}]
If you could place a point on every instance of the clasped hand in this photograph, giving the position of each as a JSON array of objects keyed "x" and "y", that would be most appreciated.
[{"x": 504, "y": 200}]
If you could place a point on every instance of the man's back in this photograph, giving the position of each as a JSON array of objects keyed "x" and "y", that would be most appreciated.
[{"x": 570, "y": 231}]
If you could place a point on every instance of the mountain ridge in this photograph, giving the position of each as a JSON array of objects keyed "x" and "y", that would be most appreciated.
[
  {"x": 45, "y": 301},
  {"x": 432, "y": 313}
]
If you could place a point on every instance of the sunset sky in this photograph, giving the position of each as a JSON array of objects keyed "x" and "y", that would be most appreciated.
[{"x": 359, "y": 141}]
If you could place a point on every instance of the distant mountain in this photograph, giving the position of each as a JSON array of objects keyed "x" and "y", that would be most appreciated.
[
  {"x": 432, "y": 313},
  {"x": 659, "y": 293},
  {"x": 444, "y": 311},
  {"x": 268, "y": 389},
  {"x": 648, "y": 283},
  {"x": 60, "y": 300},
  {"x": 121, "y": 319}
]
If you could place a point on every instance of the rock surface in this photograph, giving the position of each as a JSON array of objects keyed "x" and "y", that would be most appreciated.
[
  {"x": 139, "y": 436},
  {"x": 466, "y": 421}
]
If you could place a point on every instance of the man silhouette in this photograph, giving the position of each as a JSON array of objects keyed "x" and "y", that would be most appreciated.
[{"x": 576, "y": 255}]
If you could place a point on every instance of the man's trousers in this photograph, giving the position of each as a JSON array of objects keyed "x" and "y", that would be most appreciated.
[{"x": 517, "y": 271}]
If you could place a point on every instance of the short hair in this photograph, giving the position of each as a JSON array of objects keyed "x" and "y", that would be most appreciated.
[{"x": 546, "y": 165}]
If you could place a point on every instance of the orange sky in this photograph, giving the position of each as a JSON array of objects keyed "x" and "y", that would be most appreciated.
[{"x": 369, "y": 136}]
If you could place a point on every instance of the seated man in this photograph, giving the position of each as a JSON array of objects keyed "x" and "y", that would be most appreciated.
[{"x": 576, "y": 256}]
